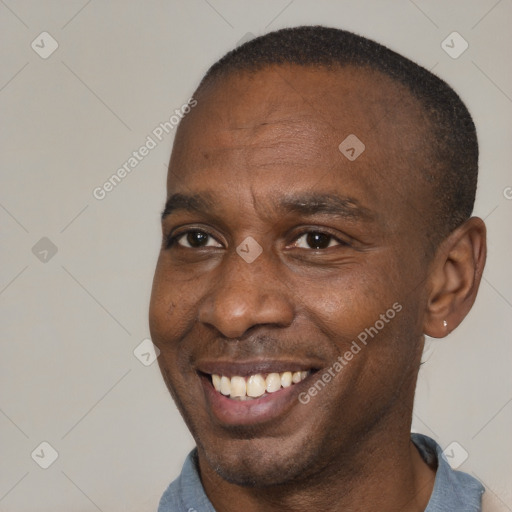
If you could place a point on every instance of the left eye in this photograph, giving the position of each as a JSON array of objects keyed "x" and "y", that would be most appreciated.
[{"x": 316, "y": 240}]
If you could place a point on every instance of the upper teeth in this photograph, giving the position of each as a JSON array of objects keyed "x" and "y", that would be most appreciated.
[{"x": 256, "y": 385}]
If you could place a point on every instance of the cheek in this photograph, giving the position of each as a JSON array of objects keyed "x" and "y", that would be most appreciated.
[
  {"x": 170, "y": 310},
  {"x": 350, "y": 301}
]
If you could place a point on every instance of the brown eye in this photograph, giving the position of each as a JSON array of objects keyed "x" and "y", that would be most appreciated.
[
  {"x": 196, "y": 239},
  {"x": 316, "y": 240}
]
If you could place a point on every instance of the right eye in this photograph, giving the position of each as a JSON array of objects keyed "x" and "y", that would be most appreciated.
[{"x": 193, "y": 239}]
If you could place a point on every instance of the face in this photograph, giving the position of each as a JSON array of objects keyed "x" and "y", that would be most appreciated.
[{"x": 279, "y": 252}]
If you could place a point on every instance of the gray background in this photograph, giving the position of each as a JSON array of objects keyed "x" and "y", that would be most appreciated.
[{"x": 71, "y": 322}]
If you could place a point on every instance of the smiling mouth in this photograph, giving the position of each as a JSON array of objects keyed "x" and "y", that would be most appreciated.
[{"x": 255, "y": 386}]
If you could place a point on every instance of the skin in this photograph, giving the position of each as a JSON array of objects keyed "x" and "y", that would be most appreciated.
[{"x": 254, "y": 142}]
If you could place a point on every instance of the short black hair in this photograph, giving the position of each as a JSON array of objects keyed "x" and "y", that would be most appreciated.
[{"x": 453, "y": 165}]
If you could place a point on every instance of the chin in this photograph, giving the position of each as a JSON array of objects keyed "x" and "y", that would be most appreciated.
[{"x": 260, "y": 462}]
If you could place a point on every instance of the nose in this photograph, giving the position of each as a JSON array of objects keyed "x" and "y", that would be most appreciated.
[{"x": 246, "y": 295}]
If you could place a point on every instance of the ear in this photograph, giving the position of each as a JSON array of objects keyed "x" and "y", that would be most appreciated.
[{"x": 455, "y": 276}]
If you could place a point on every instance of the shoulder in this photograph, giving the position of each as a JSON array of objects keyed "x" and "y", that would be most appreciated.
[
  {"x": 186, "y": 493},
  {"x": 453, "y": 490}
]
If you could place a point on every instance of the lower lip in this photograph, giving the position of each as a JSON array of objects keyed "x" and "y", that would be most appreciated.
[{"x": 250, "y": 412}]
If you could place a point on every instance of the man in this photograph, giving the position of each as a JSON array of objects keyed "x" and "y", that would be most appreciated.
[{"x": 317, "y": 226}]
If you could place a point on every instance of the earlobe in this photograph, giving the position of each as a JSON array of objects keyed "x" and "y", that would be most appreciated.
[{"x": 455, "y": 277}]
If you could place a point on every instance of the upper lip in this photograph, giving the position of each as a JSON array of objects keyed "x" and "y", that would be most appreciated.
[{"x": 246, "y": 368}]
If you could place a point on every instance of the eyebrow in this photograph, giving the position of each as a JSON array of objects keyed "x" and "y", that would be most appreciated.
[
  {"x": 328, "y": 204},
  {"x": 304, "y": 204},
  {"x": 195, "y": 203}
]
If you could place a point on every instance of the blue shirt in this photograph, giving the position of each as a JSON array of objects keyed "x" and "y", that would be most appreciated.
[{"x": 454, "y": 491}]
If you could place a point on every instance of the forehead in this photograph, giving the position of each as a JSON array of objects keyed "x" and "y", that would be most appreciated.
[
  {"x": 338, "y": 98},
  {"x": 281, "y": 127}
]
